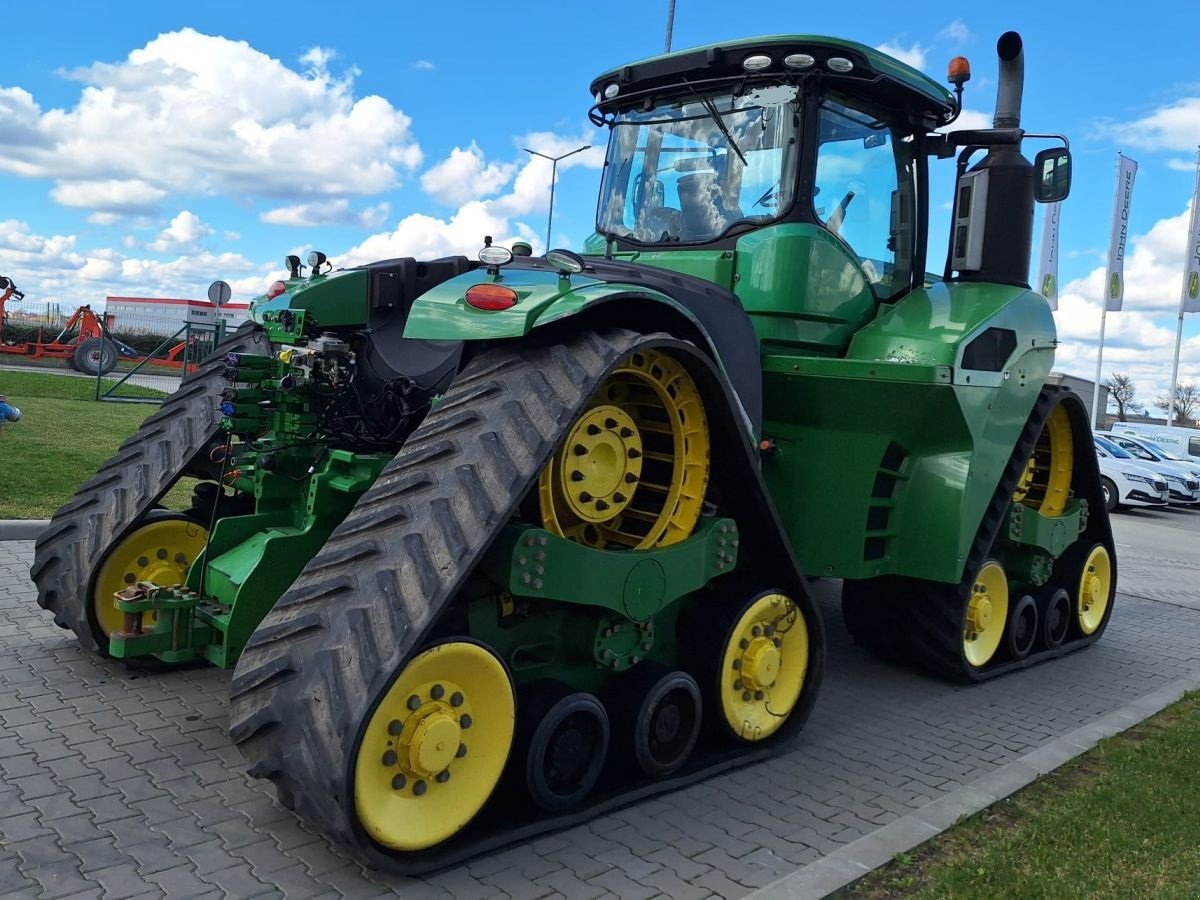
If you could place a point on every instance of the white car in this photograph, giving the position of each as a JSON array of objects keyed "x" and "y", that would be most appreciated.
[
  {"x": 1126, "y": 483},
  {"x": 1183, "y": 479}
]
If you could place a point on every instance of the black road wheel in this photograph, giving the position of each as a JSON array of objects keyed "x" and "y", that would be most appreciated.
[
  {"x": 1056, "y": 617},
  {"x": 1022, "y": 631},
  {"x": 1111, "y": 494},
  {"x": 565, "y": 739},
  {"x": 95, "y": 356},
  {"x": 667, "y": 724}
]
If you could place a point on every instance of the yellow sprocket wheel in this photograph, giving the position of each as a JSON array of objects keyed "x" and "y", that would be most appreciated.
[
  {"x": 763, "y": 667},
  {"x": 1095, "y": 590},
  {"x": 986, "y": 614},
  {"x": 1045, "y": 483},
  {"x": 633, "y": 469},
  {"x": 160, "y": 551},
  {"x": 435, "y": 746}
]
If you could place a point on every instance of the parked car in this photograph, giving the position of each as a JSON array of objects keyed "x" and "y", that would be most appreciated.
[
  {"x": 1183, "y": 479},
  {"x": 1125, "y": 482},
  {"x": 1182, "y": 442}
]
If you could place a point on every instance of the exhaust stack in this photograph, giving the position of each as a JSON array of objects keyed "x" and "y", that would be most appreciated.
[{"x": 1012, "y": 81}]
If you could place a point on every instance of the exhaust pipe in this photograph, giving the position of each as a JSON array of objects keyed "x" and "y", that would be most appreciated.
[{"x": 1012, "y": 81}]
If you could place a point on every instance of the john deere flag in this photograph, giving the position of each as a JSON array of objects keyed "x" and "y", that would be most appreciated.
[
  {"x": 1190, "y": 301},
  {"x": 1047, "y": 277},
  {"x": 1114, "y": 283}
]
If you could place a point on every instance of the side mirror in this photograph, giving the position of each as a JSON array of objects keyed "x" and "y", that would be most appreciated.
[{"x": 1052, "y": 171}]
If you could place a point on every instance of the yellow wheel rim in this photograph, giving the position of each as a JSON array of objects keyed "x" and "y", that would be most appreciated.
[
  {"x": 1045, "y": 485},
  {"x": 763, "y": 667},
  {"x": 987, "y": 611},
  {"x": 1095, "y": 589},
  {"x": 435, "y": 746},
  {"x": 633, "y": 470},
  {"x": 159, "y": 551}
]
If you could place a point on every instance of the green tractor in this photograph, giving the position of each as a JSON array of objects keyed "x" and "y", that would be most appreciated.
[{"x": 495, "y": 545}]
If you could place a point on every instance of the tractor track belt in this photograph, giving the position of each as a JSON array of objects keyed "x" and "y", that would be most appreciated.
[
  {"x": 330, "y": 648},
  {"x": 127, "y": 486},
  {"x": 941, "y": 619}
]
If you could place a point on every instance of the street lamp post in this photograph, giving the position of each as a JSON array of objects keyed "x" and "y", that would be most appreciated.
[{"x": 554, "y": 177}]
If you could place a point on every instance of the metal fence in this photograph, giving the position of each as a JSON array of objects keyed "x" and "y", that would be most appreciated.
[{"x": 131, "y": 358}]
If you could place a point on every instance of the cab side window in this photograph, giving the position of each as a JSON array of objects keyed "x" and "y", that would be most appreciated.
[
  {"x": 1194, "y": 446},
  {"x": 864, "y": 191}
]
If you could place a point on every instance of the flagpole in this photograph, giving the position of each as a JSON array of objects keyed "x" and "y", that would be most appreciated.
[
  {"x": 1183, "y": 299},
  {"x": 1099, "y": 365},
  {"x": 1104, "y": 307}
]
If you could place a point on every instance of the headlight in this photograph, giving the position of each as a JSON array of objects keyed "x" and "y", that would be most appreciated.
[
  {"x": 1178, "y": 479},
  {"x": 1141, "y": 479}
]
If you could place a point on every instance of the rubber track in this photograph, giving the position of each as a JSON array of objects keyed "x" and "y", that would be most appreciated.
[
  {"x": 934, "y": 622},
  {"x": 311, "y": 674},
  {"x": 81, "y": 532}
]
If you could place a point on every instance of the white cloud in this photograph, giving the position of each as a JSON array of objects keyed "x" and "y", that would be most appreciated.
[
  {"x": 1182, "y": 165},
  {"x": 327, "y": 212},
  {"x": 914, "y": 55},
  {"x": 113, "y": 196},
  {"x": 462, "y": 233},
  {"x": 463, "y": 176},
  {"x": 1175, "y": 126},
  {"x": 192, "y": 113},
  {"x": 1139, "y": 339},
  {"x": 969, "y": 120},
  {"x": 957, "y": 31},
  {"x": 424, "y": 64},
  {"x": 185, "y": 230},
  {"x": 54, "y": 270}
]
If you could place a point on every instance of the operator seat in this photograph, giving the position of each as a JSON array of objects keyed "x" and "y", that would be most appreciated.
[{"x": 703, "y": 213}]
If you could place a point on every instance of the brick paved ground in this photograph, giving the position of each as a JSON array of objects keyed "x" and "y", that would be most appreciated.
[{"x": 120, "y": 785}]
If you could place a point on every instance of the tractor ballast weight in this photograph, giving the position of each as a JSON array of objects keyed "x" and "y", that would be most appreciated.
[{"x": 496, "y": 545}]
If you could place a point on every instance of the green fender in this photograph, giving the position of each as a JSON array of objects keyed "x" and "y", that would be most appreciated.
[{"x": 692, "y": 309}]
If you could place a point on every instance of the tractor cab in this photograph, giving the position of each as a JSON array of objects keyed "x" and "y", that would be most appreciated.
[{"x": 787, "y": 170}]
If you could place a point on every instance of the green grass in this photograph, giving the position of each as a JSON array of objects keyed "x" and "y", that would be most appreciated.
[
  {"x": 61, "y": 440},
  {"x": 1122, "y": 821}
]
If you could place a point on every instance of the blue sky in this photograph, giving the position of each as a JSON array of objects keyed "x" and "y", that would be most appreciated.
[{"x": 153, "y": 147}]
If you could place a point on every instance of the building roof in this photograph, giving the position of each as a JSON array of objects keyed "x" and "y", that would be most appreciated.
[{"x": 169, "y": 301}]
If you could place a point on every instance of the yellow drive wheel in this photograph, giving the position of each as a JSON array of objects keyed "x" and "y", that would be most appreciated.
[
  {"x": 435, "y": 746},
  {"x": 763, "y": 667},
  {"x": 1095, "y": 590},
  {"x": 1045, "y": 484},
  {"x": 987, "y": 612},
  {"x": 160, "y": 550},
  {"x": 633, "y": 469}
]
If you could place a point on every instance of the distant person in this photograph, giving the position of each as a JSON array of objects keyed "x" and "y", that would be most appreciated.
[
  {"x": 520, "y": 248},
  {"x": 8, "y": 412}
]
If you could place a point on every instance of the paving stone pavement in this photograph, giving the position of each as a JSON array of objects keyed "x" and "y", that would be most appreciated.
[{"x": 117, "y": 784}]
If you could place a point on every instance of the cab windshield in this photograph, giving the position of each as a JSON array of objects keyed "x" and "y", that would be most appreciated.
[{"x": 692, "y": 168}]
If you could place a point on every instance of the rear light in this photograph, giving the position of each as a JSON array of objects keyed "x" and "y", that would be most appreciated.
[
  {"x": 491, "y": 297},
  {"x": 276, "y": 289}
]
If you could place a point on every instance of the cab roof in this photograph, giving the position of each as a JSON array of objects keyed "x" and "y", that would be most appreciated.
[{"x": 898, "y": 83}]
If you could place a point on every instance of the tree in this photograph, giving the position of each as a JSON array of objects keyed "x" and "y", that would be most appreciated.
[
  {"x": 1122, "y": 393},
  {"x": 1187, "y": 402}
]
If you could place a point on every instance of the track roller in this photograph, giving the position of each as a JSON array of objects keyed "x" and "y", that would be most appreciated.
[
  {"x": 663, "y": 728},
  {"x": 565, "y": 744},
  {"x": 1022, "y": 631},
  {"x": 1056, "y": 617}
]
